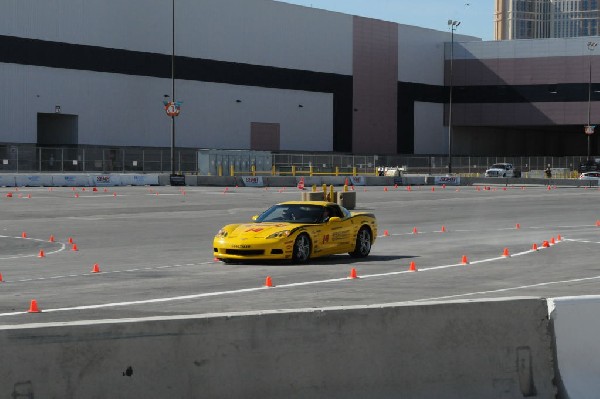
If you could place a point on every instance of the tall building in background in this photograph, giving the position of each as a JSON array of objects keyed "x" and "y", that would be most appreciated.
[{"x": 537, "y": 19}]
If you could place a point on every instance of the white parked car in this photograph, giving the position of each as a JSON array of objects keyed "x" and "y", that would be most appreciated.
[
  {"x": 590, "y": 176},
  {"x": 502, "y": 170}
]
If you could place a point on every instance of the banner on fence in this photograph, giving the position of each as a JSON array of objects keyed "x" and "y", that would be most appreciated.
[
  {"x": 447, "y": 180},
  {"x": 358, "y": 180},
  {"x": 105, "y": 180},
  {"x": 7, "y": 180},
  {"x": 33, "y": 180},
  {"x": 253, "y": 181},
  {"x": 70, "y": 180}
]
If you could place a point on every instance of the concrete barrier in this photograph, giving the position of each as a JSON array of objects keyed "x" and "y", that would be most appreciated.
[
  {"x": 576, "y": 322},
  {"x": 462, "y": 350}
]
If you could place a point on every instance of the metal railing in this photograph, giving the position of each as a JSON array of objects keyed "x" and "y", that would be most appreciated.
[{"x": 23, "y": 158}]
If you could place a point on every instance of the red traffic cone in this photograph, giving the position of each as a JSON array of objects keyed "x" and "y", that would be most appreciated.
[
  {"x": 545, "y": 244},
  {"x": 23, "y": 235},
  {"x": 409, "y": 188},
  {"x": 597, "y": 223},
  {"x": 552, "y": 242},
  {"x": 105, "y": 190},
  {"x": 41, "y": 254},
  {"x": 415, "y": 230},
  {"x": 51, "y": 239},
  {"x": 385, "y": 189},
  {"x": 558, "y": 238},
  {"x": 534, "y": 247},
  {"x": 74, "y": 248},
  {"x": 432, "y": 189},
  {"x": 1, "y": 280},
  {"x": 443, "y": 229},
  {"x": 464, "y": 260},
  {"x": 96, "y": 268},
  {"x": 386, "y": 233},
  {"x": 33, "y": 307},
  {"x": 412, "y": 267},
  {"x": 268, "y": 282},
  {"x": 95, "y": 189},
  {"x": 70, "y": 241},
  {"x": 517, "y": 226},
  {"x": 115, "y": 195},
  {"x": 76, "y": 195},
  {"x": 353, "y": 274},
  {"x": 506, "y": 254}
]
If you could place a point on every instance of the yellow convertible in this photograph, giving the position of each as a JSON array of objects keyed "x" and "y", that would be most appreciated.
[{"x": 298, "y": 231}]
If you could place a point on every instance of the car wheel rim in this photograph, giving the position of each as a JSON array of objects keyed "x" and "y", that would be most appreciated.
[
  {"x": 364, "y": 242},
  {"x": 302, "y": 248}
]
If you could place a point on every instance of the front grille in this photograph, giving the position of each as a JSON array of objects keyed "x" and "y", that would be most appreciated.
[
  {"x": 245, "y": 252},
  {"x": 277, "y": 252}
]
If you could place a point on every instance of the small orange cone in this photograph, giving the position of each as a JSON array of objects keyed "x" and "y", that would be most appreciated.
[
  {"x": 74, "y": 248},
  {"x": 558, "y": 238},
  {"x": 41, "y": 254},
  {"x": 443, "y": 229},
  {"x": 464, "y": 260},
  {"x": 552, "y": 241},
  {"x": 76, "y": 195},
  {"x": 409, "y": 188},
  {"x": 353, "y": 274},
  {"x": 385, "y": 189},
  {"x": 549, "y": 188},
  {"x": 534, "y": 247},
  {"x": 432, "y": 189},
  {"x": 70, "y": 241},
  {"x": 115, "y": 195},
  {"x": 396, "y": 185},
  {"x": 415, "y": 230},
  {"x": 23, "y": 235},
  {"x": 597, "y": 223},
  {"x": 9, "y": 195},
  {"x": 444, "y": 186},
  {"x": 82, "y": 188},
  {"x": 105, "y": 190},
  {"x": 216, "y": 259},
  {"x": 29, "y": 196},
  {"x": 1, "y": 280},
  {"x": 268, "y": 282},
  {"x": 545, "y": 244},
  {"x": 96, "y": 268},
  {"x": 386, "y": 233},
  {"x": 517, "y": 226},
  {"x": 413, "y": 267},
  {"x": 95, "y": 189},
  {"x": 33, "y": 307},
  {"x": 506, "y": 254}
]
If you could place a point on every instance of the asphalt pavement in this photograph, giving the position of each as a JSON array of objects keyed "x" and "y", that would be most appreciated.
[{"x": 153, "y": 247}]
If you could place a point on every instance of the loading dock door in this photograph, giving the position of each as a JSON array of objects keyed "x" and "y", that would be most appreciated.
[{"x": 57, "y": 129}]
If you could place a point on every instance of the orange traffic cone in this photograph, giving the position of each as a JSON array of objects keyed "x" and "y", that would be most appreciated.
[
  {"x": 534, "y": 247},
  {"x": 545, "y": 244},
  {"x": 413, "y": 267},
  {"x": 415, "y": 230},
  {"x": 105, "y": 190},
  {"x": 74, "y": 247},
  {"x": 95, "y": 189},
  {"x": 597, "y": 223},
  {"x": 96, "y": 268},
  {"x": 443, "y": 229},
  {"x": 29, "y": 196},
  {"x": 51, "y": 239},
  {"x": 517, "y": 226},
  {"x": 216, "y": 259},
  {"x": 33, "y": 307},
  {"x": 268, "y": 282},
  {"x": 386, "y": 233},
  {"x": 353, "y": 274},
  {"x": 558, "y": 238},
  {"x": 115, "y": 195},
  {"x": 1, "y": 280},
  {"x": 552, "y": 242},
  {"x": 464, "y": 260},
  {"x": 396, "y": 185},
  {"x": 9, "y": 195},
  {"x": 76, "y": 195},
  {"x": 385, "y": 189},
  {"x": 506, "y": 254},
  {"x": 432, "y": 189},
  {"x": 70, "y": 241},
  {"x": 23, "y": 235},
  {"x": 409, "y": 188},
  {"x": 41, "y": 254}
]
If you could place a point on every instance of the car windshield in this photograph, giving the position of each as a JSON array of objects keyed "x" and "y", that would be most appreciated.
[
  {"x": 498, "y": 166},
  {"x": 293, "y": 213}
]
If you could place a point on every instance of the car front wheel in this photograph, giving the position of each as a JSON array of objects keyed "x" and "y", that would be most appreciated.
[
  {"x": 301, "y": 252},
  {"x": 363, "y": 243}
]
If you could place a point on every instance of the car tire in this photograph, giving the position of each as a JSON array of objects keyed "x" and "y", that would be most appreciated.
[
  {"x": 363, "y": 243},
  {"x": 302, "y": 249}
]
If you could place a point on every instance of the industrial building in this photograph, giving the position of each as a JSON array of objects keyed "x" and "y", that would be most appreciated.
[{"x": 266, "y": 75}]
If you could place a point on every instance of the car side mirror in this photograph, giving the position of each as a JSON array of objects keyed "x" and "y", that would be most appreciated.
[
  {"x": 254, "y": 217},
  {"x": 334, "y": 219}
]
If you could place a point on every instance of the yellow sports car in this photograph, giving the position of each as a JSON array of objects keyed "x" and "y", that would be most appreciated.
[{"x": 298, "y": 231}]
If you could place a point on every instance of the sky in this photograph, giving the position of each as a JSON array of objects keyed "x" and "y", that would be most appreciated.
[{"x": 476, "y": 16}]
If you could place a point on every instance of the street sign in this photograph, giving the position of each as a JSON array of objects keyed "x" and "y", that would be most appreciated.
[{"x": 589, "y": 129}]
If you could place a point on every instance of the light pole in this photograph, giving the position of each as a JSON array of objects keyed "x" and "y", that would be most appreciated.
[
  {"x": 173, "y": 89},
  {"x": 589, "y": 129},
  {"x": 453, "y": 25}
]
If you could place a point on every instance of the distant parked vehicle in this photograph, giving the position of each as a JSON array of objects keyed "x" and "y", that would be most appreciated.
[
  {"x": 590, "y": 176},
  {"x": 591, "y": 165},
  {"x": 502, "y": 170}
]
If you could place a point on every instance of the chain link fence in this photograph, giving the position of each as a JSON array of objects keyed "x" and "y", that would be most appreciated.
[{"x": 30, "y": 159}]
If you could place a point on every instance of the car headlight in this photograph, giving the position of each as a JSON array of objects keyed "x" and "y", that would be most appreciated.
[
  {"x": 280, "y": 234},
  {"x": 222, "y": 233}
]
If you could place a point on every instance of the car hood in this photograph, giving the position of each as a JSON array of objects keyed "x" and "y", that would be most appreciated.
[{"x": 260, "y": 230}]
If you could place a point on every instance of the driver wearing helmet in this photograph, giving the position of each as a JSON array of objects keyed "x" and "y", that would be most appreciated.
[{"x": 288, "y": 214}]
